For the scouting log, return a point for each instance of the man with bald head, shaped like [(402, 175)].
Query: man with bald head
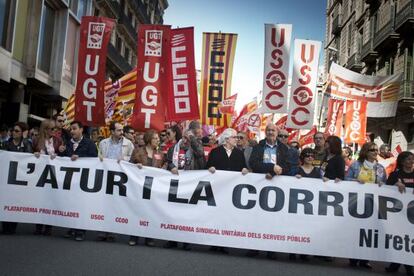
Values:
[(270, 156)]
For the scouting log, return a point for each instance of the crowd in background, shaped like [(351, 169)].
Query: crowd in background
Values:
[(176, 149)]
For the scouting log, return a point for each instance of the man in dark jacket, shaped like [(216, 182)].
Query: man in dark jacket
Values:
[(270, 156), (78, 147)]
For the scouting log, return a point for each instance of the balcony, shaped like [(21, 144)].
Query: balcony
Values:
[(354, 62), (125, 26), (405, 18), (386, 36), (119, 61), (337, 25), (368, 54), (141, 11), (111, 7), (406, 91)]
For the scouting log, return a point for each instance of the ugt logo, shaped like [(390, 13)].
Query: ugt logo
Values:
[(153, 43), (95, 35)]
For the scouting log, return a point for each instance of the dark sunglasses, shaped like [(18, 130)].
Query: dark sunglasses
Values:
[(373, 150), (240, 137), (60, 121), (309, 155), (283, 136)]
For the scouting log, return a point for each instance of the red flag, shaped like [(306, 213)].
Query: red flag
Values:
[(182, 99), (294, 136), (249, 107), (95, 33), (227, 106), (308, 137), (281, 123), (334, 117), (153, 76), (355, 122), (397, 150)]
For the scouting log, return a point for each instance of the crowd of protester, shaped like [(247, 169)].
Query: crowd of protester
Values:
[(176, 149)]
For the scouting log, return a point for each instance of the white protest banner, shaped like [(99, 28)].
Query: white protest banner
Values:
[(381, 93), (276, 68), (303, 92), (285, 214)]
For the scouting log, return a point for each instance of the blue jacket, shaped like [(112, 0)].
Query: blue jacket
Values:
[(355, 168)]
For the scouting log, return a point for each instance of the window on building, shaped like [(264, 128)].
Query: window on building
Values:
[(127, 51), (375, 23), (78, 7), (7, 15), (46, 38), (69, 62), (118, 45)]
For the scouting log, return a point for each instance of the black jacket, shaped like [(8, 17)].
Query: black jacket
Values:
[(218, 158), (23, 146), (282, 156), (86, 148)]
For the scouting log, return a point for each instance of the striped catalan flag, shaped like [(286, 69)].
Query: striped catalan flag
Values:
[(216, 75), (125, 101), (69, 110)]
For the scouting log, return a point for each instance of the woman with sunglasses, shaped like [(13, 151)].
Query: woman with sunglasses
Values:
[(307, 169), (402, 177), (16, 143), (174, 135), (46, 143), (366, 169)]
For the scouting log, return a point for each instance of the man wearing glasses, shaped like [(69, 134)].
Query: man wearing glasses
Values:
[(129, 133), (243, 145), (293, 152), (320, 153), (60, 131)]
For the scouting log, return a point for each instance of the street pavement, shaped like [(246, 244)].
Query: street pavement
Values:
[(27, 254)]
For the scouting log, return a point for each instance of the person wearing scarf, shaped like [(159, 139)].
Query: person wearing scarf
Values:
[(46, 143), (366, 169)]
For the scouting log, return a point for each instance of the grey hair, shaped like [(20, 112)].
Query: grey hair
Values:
[(227, 133), (194, 125)]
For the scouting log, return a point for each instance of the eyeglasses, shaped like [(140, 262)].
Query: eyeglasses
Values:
[(240, 137), (309, 155), (373, 150), (283, 136), (60, 121)]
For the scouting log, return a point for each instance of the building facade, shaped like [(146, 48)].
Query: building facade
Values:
[(375, 37), (39, 50)]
